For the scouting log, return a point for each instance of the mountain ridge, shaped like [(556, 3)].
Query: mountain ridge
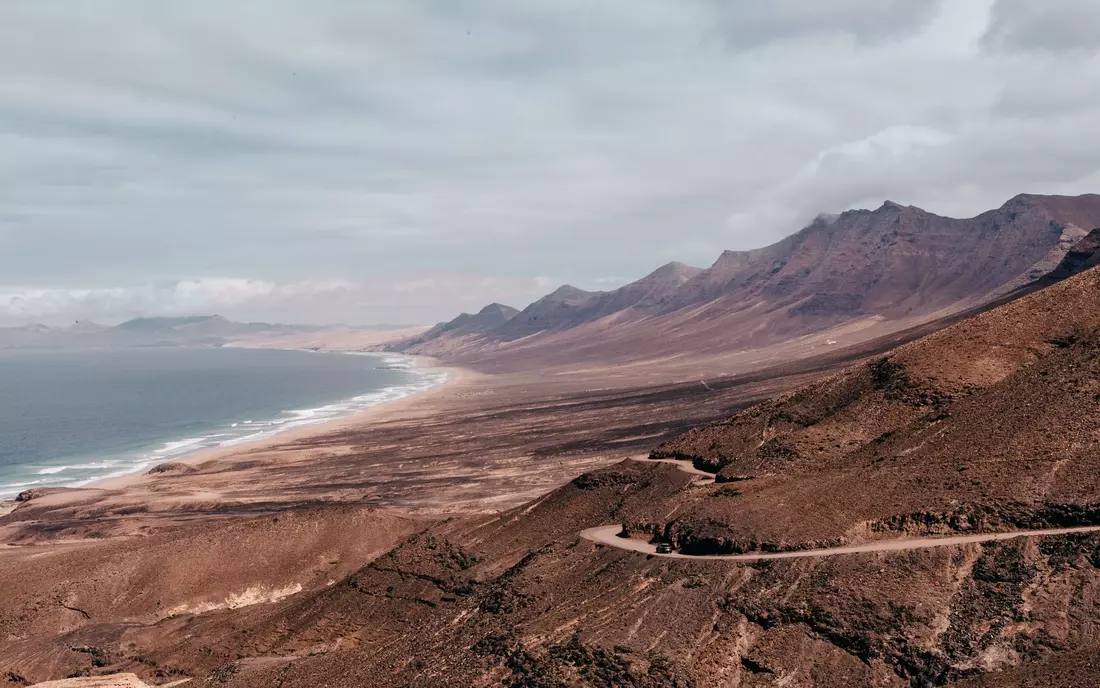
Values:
[(892, 266), (990, 425), (192, 330)]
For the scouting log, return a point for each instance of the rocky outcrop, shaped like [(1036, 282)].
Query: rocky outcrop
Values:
[(28, 495), (171, 467), (1084, 255)]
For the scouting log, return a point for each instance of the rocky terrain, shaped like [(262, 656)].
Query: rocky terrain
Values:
[(992, 421), (1085, 254), (852, 277), (991, 424)]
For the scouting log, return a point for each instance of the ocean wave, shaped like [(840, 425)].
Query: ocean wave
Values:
[(175, 447), (22, 484), (134, 468), (52, 470)]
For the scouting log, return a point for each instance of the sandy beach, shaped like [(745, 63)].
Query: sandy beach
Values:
[(388, 410)]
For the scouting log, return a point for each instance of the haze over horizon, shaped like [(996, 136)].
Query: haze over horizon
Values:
[(401, 163)]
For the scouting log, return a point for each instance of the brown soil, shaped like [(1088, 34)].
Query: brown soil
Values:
[(995, 420), (989, 425)]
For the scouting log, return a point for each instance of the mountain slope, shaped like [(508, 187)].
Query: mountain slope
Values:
[(989, 425), (486, 320), (897, 259), (569, 307), (866, 272), (992, 424), (992, 420), (1084, 255)]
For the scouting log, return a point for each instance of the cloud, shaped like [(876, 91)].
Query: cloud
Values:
[(420, 300), (375, 143), (868, 21), (1051, 25), (860, 172), (115, 303)]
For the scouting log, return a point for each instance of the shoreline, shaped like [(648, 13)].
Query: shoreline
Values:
[(279, 439), (352, 420)]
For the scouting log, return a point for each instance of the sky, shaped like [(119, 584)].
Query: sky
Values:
[(399, 162)]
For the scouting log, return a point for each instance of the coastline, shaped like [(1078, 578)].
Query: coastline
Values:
[(356, 419), (386, 410)]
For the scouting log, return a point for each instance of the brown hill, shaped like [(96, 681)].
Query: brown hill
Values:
[(993, 423), (990, 424), (569, 307), (465, 326), (858, 275), (993, 419), (565, 308)]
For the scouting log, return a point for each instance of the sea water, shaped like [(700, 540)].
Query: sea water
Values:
[(68, 418)]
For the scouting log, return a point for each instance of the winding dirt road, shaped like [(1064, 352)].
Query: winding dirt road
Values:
[(609, 535)]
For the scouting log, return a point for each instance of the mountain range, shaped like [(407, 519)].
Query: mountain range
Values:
[(926, 513), (859, 274), (858, 496), (200, 330), (991, 424)]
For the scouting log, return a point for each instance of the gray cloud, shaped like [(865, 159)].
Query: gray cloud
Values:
[(868, 21), (1051, 25), (473, 146), (412, 299)]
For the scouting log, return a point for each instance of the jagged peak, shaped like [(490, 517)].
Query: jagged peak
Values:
[(672, 266), (496, 307), (729, 258), (672, 269), (567, 291)]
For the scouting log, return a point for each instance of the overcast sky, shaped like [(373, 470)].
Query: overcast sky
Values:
[(401, 161)]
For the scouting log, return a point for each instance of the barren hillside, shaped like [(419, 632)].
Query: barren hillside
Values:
[(849, 278), (990, 425)]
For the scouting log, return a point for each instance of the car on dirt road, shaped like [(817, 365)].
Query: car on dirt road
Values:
[(664, 548)]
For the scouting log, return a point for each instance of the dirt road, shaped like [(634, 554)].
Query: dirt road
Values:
[(682, 465), (609, 535)]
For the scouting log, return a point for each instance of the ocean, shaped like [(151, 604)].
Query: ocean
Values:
[(71, 417)]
